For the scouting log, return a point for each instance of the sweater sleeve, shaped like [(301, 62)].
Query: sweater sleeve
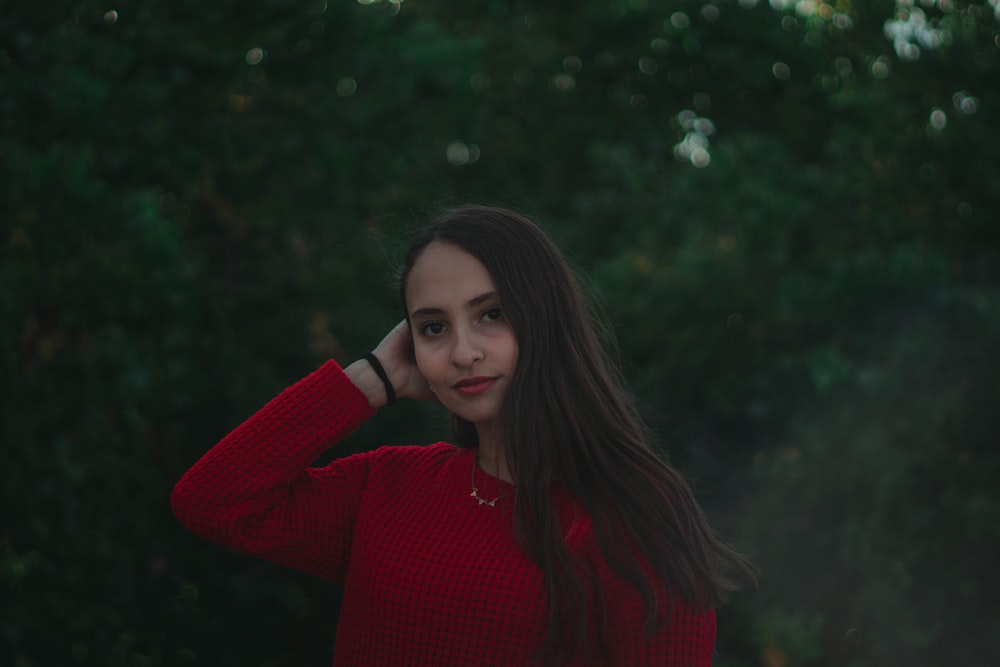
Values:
[(254, 491), (686, 639)]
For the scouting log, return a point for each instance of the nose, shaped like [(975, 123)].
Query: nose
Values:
[(467, 349)]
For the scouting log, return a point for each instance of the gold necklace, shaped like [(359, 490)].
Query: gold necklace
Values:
[(475, 491)]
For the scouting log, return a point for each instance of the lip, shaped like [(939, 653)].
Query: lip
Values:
[(474, 385)]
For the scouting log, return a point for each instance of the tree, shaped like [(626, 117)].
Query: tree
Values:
[(785, 209)]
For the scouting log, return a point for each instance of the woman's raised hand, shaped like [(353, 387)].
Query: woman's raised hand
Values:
[(395, 353)]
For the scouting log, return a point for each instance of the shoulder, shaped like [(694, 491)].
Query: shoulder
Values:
[(403, 454), (381, 474), (410, 460)]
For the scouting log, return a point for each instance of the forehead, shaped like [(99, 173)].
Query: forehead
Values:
[(446, 276)]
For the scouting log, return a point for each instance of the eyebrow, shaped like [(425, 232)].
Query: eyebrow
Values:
[(470, 304)]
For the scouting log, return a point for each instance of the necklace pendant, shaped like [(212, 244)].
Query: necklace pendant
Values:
[(483, 501), (475, 491)]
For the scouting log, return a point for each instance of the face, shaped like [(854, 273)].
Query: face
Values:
[(464, 346)]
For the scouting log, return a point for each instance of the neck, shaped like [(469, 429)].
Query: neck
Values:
[(492, 455)]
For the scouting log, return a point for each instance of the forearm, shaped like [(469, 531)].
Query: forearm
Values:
[(364, 377)]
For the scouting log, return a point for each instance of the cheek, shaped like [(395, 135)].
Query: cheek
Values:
[(425, 359)]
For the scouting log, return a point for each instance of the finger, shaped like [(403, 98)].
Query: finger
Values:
[(397, 333), (403, 328)]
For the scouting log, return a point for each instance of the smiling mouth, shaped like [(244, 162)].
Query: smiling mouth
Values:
[(473, 386)]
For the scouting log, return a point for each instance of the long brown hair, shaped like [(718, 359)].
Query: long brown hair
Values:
[(568, 417)]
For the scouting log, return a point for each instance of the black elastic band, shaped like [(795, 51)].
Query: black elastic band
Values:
[(376, 365)]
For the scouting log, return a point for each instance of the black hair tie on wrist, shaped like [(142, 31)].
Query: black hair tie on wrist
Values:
[(390, 393)]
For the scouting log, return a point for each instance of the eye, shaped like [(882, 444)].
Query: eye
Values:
[(431, 329), (493, 314)]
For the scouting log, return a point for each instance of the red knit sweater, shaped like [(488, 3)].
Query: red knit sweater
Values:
[(430, 576)]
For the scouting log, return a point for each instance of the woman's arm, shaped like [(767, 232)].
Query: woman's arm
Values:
[(254, 492), (686, 639)]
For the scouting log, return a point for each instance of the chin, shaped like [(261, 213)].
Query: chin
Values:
[(477, 419)]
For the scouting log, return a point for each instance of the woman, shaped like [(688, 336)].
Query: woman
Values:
[(549, 533)]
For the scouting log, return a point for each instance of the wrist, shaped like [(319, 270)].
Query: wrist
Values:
[(390, 391), (368, 382)]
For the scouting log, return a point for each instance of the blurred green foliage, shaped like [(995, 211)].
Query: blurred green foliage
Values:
[(787, 209)]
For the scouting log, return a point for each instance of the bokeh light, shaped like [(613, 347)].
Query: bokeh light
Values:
[(564, 83), (679, 20), (938, 120), (572, 64), (710, 12), (461, 154), (965, 102), (255, 56), (347, 86), (694, 146), (881, 67)]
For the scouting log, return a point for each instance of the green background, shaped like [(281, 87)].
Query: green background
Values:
[(787, 210)]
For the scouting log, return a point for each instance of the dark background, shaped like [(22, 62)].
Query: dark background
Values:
[(787, 210)]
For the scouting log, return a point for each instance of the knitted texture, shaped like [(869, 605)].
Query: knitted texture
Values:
[(431, 577)]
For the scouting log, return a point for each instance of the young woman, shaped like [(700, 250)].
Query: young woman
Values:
[(548, 533)]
